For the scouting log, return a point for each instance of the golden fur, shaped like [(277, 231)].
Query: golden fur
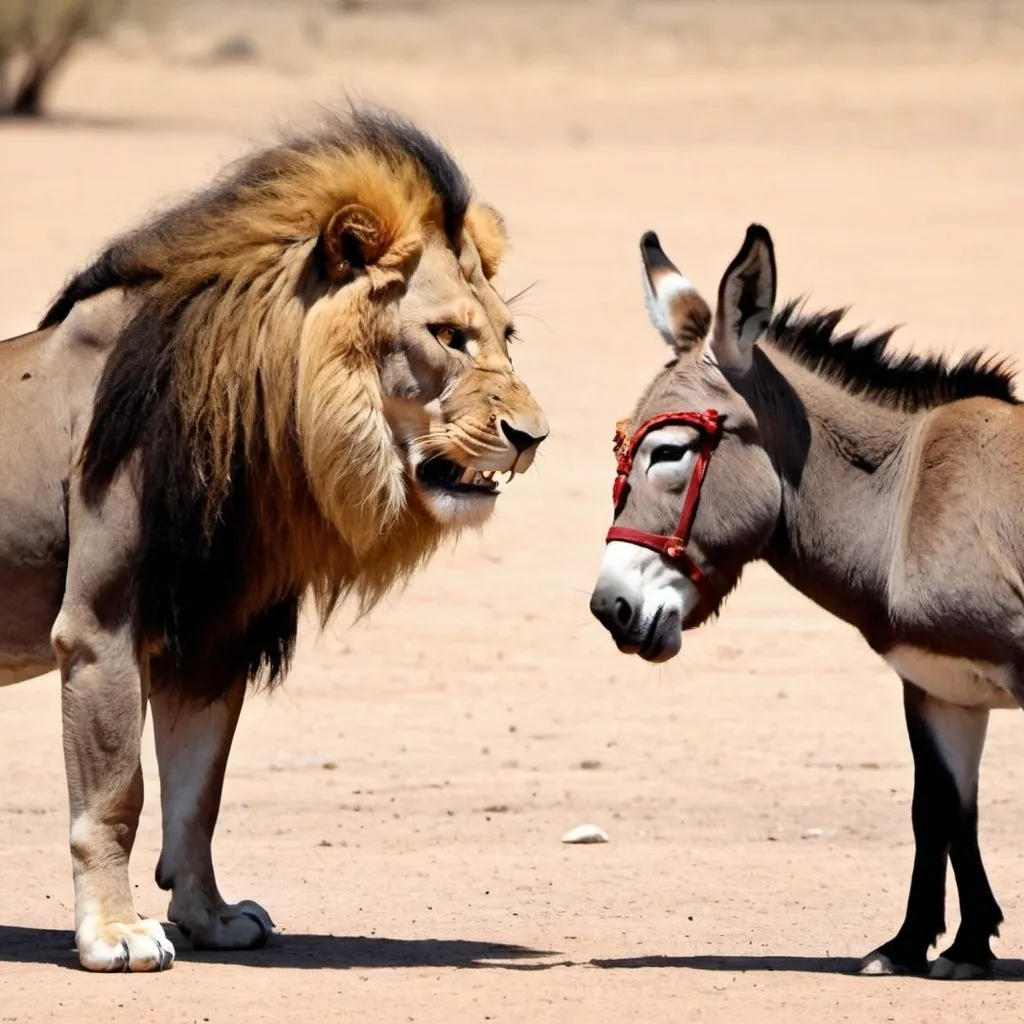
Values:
[(232, 406), (275, 294), (248, 378)]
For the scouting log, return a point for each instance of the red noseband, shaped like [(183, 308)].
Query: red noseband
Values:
[(673, 546)]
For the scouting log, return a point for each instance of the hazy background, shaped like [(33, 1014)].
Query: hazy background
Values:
[(398, 807)]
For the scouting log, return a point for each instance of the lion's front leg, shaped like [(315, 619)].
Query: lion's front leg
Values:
[(103, 701), (193, 741)]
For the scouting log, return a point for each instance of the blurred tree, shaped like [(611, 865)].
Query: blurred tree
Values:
[(38, 36)]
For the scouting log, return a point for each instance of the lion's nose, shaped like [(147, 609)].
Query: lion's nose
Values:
[(520, 439)]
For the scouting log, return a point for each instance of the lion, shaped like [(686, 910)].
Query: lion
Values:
[(295, 384)]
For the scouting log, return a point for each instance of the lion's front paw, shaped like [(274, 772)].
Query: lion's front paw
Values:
[(115, 946), (244, 925)]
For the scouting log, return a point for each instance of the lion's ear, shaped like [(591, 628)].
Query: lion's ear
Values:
[(487, 229), (354, 238)]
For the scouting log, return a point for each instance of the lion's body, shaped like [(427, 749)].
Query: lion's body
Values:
[(47, 383), (223, 414)]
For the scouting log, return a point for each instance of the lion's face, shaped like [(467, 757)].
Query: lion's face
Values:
[(408, 405), (452, 349)]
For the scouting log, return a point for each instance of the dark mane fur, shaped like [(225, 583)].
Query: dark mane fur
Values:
[(862, 363), (193, 567)]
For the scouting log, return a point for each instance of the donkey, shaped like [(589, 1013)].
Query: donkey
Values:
[(886, 488)]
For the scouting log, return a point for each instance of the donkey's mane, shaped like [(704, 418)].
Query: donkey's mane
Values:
[(863, 363)]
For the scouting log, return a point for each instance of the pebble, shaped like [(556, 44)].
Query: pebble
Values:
[(585, 834), (813, 833)]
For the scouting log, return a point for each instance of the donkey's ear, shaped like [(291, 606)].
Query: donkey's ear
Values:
[(745, 300), (674, 306)]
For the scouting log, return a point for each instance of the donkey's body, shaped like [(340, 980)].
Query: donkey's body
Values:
[(908, 526), (891, 493)]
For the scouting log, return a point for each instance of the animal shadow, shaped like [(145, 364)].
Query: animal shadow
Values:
[(56, 946), (1002, 970), (345, 952)]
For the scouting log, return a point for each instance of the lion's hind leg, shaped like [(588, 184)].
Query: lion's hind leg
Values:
[(193, 741)]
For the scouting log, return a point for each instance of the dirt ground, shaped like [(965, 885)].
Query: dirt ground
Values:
[(398, 807)]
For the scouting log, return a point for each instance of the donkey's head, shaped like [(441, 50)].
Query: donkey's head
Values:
[(696, 496)]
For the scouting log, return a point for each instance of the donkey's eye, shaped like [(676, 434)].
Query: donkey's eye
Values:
[(667, 453), (449, 336)]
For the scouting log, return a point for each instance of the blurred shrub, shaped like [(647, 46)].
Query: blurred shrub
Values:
[(38, 36)]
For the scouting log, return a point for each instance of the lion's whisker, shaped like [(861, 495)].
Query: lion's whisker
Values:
[(512, 300)]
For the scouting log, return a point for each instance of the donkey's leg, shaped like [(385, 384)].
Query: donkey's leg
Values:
[(970, 955), (193, 741), (944, 747), (103, 700)]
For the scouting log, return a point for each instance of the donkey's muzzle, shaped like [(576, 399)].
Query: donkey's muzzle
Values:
[(616, 613)]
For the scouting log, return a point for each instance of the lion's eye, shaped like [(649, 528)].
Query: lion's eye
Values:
[(667, 453), (449, 336)]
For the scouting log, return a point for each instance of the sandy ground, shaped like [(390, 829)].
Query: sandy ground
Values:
[(398, 807)]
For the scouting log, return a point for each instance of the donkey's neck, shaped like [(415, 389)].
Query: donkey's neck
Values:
[(842, 462)]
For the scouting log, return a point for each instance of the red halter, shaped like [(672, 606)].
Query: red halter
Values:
[(673, 547)]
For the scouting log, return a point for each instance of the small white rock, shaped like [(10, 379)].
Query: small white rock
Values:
[(813, 833), (585, 834)]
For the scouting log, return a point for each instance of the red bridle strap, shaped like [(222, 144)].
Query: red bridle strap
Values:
[(672, 546)]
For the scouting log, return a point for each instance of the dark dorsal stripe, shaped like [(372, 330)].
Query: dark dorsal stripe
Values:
[(863, 363)]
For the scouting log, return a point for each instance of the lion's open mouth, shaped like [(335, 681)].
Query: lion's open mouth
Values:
[(445, 475)]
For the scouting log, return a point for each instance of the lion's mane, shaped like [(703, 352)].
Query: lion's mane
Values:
[(251, 410)]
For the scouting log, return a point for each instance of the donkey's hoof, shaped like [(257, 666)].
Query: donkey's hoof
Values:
[(951, 970), (879, 964), (888, 964)]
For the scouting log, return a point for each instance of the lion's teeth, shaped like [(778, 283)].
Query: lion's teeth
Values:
[(488, 474), (468, 476)]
